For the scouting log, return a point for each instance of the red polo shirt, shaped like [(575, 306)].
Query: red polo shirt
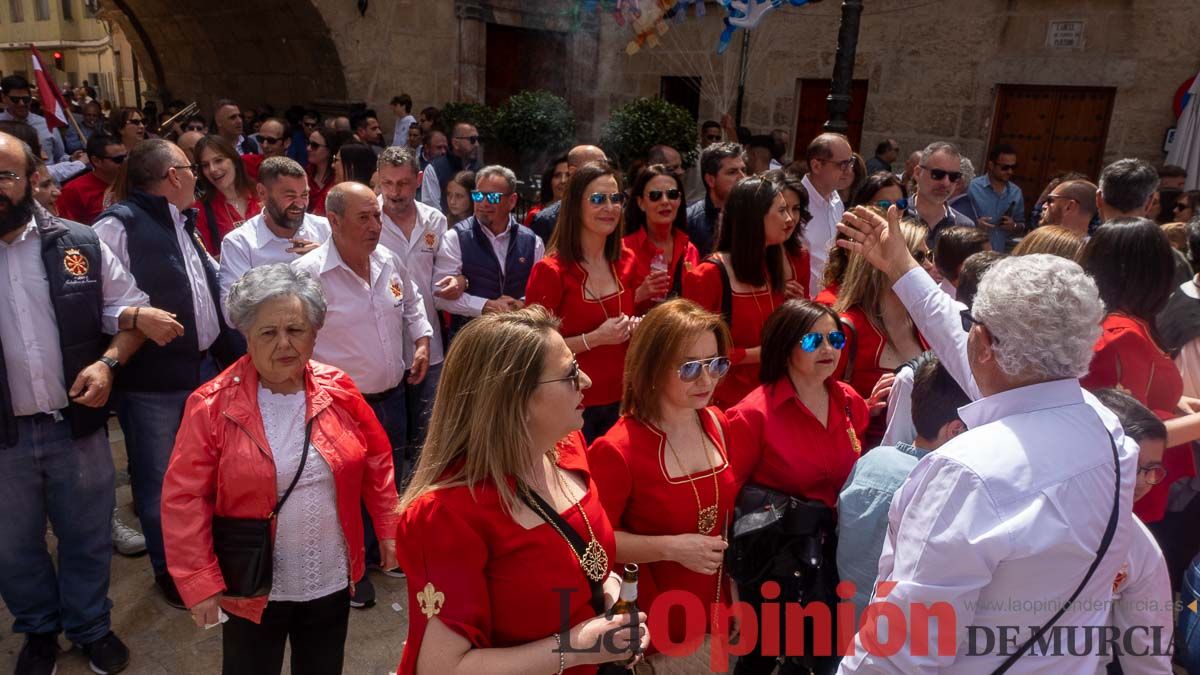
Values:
[(82, 199)]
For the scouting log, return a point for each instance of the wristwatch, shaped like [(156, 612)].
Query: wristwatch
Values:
[(109, 361)]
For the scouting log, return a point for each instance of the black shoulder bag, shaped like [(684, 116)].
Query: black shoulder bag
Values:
[(245, 547), (1109, 531)]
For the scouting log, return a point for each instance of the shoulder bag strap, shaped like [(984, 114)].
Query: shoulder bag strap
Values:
[(1104, 543), (546, 512), (213, 231), (296, 479), (726, 289)]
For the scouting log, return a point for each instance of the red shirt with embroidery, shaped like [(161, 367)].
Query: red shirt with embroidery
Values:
[(317, 193), (559, 287), (629, 465), (82, 199), (684, 255), (779, 444), (1126, 357), (488, 578), (226, 216)]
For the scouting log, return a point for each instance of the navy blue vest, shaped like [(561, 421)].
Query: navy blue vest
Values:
[(445, 168), (156, 262), (482, 269), (71, 256)]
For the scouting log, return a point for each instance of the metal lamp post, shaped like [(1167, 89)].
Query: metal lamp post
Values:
[(843, 67)]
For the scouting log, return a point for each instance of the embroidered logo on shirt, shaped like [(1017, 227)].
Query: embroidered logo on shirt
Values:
[(75, 263), (431, 601), (1122, 576), (396, 289), (521, 260), (430, 239)]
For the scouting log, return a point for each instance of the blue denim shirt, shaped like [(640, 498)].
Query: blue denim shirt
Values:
[(990, 205), (863, 514)]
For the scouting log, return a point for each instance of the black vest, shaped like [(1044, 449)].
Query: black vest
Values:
[(482, 269), (156, 262), (71, 256), (445, 168)]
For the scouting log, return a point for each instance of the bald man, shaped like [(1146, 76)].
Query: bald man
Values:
[(543, 222), (187, 142)]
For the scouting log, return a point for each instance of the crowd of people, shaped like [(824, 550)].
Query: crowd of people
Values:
[(330, 353)]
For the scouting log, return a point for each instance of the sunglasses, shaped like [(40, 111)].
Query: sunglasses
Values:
[(717, 366), (967, 320), (941, 174), (472, 139), (20, 99), (573, 376), (1006, 167), (922, 257), (269, 139), (883, 204), (491, 197), (139, 122), (656, 195), (812, 341), (1155, 473), (117, 160), (599, 198)]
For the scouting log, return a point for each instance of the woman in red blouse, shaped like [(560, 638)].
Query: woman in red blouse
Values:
[(796, 196), (663, 470), (1132, 263), (502, 534), (322, 144), (880, 335), (799, 433), (878, 191), (229, 198), (656, 227), (588, 279), (746, 278)]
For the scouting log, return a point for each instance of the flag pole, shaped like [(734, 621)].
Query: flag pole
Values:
[(56, 93), (82, 139)]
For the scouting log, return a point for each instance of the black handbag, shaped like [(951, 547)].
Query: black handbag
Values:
[(776, 535), (245, 547)]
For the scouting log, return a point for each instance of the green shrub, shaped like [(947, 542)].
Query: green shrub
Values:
[(634, 128)]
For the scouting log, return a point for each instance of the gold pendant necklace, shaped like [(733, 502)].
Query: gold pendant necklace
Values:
[(594, 561), (706, 516)]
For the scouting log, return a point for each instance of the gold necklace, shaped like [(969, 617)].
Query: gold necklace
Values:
[(594, 561), (589, 295), (706, 516)]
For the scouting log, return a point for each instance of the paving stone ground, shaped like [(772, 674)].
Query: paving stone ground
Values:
[(164, 641)]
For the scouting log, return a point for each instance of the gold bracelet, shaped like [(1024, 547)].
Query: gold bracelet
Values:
[(586, 346), (562, 656)]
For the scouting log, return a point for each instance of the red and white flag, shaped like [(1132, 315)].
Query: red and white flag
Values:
[(54, 106)]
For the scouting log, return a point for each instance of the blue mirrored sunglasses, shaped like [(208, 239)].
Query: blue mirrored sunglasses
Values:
[(599, 198), (883, 204), (491, 197), (812, 341), (716, 367)]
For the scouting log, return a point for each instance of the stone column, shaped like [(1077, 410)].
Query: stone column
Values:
[(472, 16)]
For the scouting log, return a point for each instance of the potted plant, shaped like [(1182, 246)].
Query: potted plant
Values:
[(635, 127), (535, 125)]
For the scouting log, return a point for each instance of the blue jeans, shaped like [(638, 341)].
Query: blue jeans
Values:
[(1187, 632), (71, 482), (393, 416), (420, 407), (150, 420)]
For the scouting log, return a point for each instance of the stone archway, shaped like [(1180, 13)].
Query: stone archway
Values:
[(253, 51)]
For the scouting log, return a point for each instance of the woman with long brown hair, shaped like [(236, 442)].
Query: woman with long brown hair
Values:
[(323, 144), (588, 279), (503, 536), (656, 227), (227, 197), (129, 125), (663, 470)]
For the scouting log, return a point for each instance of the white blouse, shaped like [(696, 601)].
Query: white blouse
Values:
[(310, 550)]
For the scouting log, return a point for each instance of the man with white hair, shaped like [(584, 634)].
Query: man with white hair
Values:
[(1029, 510)]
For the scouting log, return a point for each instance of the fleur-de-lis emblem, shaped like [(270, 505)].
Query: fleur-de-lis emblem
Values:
[(431, 601)]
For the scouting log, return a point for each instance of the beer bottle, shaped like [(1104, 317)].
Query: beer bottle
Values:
[(627, 601)]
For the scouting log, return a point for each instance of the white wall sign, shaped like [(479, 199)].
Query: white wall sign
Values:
[(1065, 35)]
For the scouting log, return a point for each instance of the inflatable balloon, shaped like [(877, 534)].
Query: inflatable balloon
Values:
[(746, 15), (649, 24)]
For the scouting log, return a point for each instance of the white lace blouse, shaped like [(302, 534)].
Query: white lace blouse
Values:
[(310, 549)]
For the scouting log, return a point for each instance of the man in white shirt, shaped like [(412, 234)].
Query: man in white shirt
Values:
[(491, 250), (281, 233), (402, 107), (376, 317), (153, 234), (413, 231), (1031, 486), (17, 100), (829, 159)]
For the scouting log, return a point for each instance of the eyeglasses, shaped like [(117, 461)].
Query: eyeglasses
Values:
[(1006, 167), (941, 174), (140, 122), (20, 99), (117, 159), (812, 341), (471, 139), (314, 146), (599, 198), (843, 165), (967, 320), (195, 168), (1155, 473), (923, 257), (656, 195), (269, 139), (573, 376), (717, 366), (8, 179), (883, 204), (491, 197)]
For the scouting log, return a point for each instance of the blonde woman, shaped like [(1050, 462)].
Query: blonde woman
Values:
[(880, 335), (663, 469), (503, 537), (1053, 239)]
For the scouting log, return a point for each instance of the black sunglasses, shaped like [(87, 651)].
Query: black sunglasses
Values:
[(968, 320), (1006, 167), (269, 139), (20, 99), (941, 174), (573, 376), (922, 257), (117, 159), (656, 195)]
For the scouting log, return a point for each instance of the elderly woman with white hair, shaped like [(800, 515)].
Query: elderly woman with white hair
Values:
[(260, 503), (1040, 486)]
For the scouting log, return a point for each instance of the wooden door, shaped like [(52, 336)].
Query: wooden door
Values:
[(523, 58), (814, 112), (683, 92), (1053, 129)]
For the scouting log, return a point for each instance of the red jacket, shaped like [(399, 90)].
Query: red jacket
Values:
[(222, 465)]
